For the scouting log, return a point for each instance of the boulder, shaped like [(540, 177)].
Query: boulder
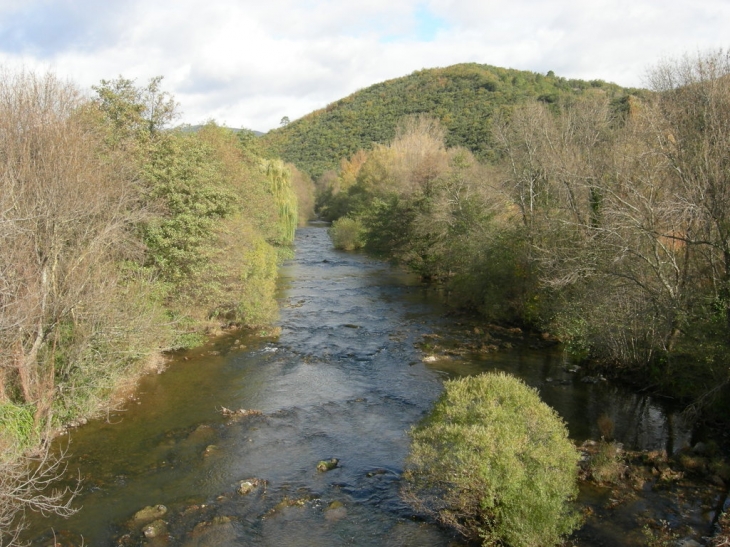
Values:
[(247, 486), (149, 513), (327, 465)]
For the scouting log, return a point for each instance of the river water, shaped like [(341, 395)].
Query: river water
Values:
[(344, 379)]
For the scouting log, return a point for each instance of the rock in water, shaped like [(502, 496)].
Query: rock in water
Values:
[(151, 512), (247, 486), (327, 465), (155, 529)]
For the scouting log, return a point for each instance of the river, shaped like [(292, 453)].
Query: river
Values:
[(345, 378)]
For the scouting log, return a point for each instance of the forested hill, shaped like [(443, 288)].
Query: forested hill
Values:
[(463, 97)]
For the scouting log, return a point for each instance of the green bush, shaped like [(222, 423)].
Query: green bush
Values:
[(495, 463), (347, 234)]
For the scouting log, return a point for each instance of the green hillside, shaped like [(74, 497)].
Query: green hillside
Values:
[(463, 97)]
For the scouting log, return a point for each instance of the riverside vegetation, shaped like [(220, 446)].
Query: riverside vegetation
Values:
[(600, 217), (119, 239), (594, 213)]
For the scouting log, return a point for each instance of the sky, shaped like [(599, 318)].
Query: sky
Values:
[(249, 63)]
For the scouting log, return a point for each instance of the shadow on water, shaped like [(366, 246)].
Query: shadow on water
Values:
[(345, 380)]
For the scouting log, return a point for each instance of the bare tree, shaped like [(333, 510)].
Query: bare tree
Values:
[(65, 211), (68, 207), (29, 484), (692, 133)]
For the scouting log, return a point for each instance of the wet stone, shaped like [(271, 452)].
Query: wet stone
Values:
[(155, 529), (151, 512), (327, 465), (249, 485)]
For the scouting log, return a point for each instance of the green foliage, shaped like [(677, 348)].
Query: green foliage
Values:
[(18, 429), (462, 97), (134, 115), (182, 176), (347, 234), (387, 221), (223, 213), (286, 200), (257, 304), (249, 141), (495, 277), (493, 461)]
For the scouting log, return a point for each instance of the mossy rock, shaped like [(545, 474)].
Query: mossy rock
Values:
[(327, 465), (150, 513)]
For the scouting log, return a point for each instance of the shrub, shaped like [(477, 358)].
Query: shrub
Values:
[(494, 462), (607, 464), (347, 234)]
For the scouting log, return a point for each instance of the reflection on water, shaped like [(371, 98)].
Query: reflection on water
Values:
[(344, 380), (640, 421)]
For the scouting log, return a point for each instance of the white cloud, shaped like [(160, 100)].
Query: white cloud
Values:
[(250, 62)]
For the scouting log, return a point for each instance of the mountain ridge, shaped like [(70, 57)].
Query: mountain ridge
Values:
[(463, 97)]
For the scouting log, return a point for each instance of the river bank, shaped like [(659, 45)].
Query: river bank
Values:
[(346, 377)]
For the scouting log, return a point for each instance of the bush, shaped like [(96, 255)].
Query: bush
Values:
[(347, 234), (495, 463), (607, 464)]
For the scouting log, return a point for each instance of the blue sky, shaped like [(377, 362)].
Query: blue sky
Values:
[(249, 63), (428, 24)]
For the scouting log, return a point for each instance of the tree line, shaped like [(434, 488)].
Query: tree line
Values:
[(603, 221), (120, 238)]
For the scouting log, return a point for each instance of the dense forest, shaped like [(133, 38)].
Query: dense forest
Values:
[(601, 218), (463, 98), (120, 238)]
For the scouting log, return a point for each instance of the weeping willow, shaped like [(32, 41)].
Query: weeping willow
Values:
[(286, 200)]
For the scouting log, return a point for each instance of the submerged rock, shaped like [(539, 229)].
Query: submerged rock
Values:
[(335, 511), (155, 529), (241, 412), (217, 533)]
